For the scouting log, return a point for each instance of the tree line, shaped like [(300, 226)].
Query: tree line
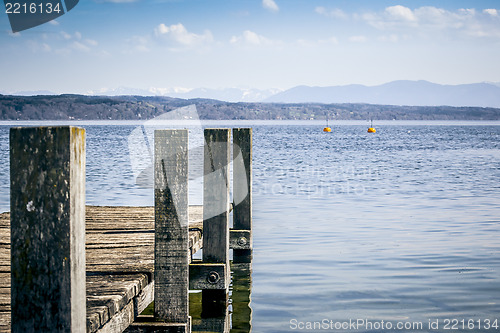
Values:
[(81, 107)]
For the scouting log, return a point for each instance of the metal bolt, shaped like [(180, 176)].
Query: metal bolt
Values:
[(213, 277), (242, 241)]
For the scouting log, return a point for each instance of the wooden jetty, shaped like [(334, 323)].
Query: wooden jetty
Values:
[(126, 257)]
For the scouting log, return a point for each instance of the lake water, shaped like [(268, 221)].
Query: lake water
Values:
[(395, 229)]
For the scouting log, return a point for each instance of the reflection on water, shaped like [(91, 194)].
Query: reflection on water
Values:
[(241, 292), (237, 318)]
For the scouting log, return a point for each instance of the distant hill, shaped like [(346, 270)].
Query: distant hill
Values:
[(64, 107), (415, 93)]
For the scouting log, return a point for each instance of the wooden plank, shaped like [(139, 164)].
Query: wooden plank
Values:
[(156, 327), (120, 321), (5, 302), (144, 299), (96, 317), (5, 244), (242, 178), (171, 226), (112, 247), (122, 238), (47, 208), (216, 215), (240, 239), (110, 244), (242, 192), (216, 196), (109, 295), (203, 276)]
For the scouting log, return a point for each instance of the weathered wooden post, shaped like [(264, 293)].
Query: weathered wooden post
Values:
[(171, 229), (216, 217), (241, 234), (47, 182)]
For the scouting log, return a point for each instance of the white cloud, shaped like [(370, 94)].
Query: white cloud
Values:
[(427, 21), (491, 11), (78, 46), (37, 47), (162, 29), (334, 13), (401, 13), (270, 5), (76, 35), (91, 42), (433, 16), (394, 16), (65, 35), (430, 21), (63, 43), (251, 38), (179, 35)]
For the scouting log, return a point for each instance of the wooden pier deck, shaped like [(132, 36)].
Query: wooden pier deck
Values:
[(94, 269), (119, 264)]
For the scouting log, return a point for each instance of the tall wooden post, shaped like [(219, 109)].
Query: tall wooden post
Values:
[(241, 235), (242, 195), (171, 228), (47, 181), (216, 214)]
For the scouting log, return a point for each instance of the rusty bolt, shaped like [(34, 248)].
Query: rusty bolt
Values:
[(213, 277), (242, 241)]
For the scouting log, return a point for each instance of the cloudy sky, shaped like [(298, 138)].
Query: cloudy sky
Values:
[(167, 44)]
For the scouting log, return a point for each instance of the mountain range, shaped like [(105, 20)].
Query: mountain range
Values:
[(415, 93), (221, 94), (410, 93)]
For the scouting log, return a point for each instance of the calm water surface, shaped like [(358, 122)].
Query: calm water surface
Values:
[(401, 226)]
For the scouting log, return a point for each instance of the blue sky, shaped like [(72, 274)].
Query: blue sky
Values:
[(180, 44)]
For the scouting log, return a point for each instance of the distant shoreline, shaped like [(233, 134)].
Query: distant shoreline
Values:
[(141, 108)]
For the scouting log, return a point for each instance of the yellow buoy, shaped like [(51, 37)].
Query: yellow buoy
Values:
[(327, 129), (371, 129)]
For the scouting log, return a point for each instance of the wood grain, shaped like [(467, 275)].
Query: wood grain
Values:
[(171, 226), (120, 255), (47, 195)]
